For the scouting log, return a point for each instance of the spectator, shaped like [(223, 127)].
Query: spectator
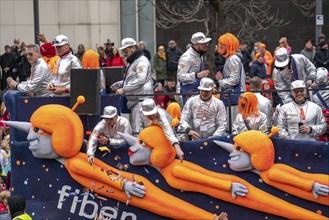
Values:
[(322, 56), (255, 50), (300, 119), (152, 115), (203, 116), (173, 53), (191, 64), (289, 68), (7, 64), (268, 59), (60, 85), (23, 66), (106, 131), (142, 47), (16, 208), (116, 59), (283, 43), (108, 48), (160, 100), (103, 59), (16, 48), (321, 97), (264, 104), (249, 117), (40, 77), (160, 65), (321, 38), (309, 50), (138, 79), (246, 57), (81, 51), (219, 62), (4, 194), (258, 67), (48, 52), (170, 87)]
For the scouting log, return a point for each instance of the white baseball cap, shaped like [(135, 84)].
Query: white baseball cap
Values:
[(281, 57), (109, 112), (149, 107), (321, 75), (206, 84), (127, 42), (60, 40), (298, 84), (199, 38)]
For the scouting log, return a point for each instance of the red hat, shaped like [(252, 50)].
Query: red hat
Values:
[(48, 50)]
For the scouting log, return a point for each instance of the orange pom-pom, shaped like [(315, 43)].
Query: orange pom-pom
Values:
[(275, 130), (174, 122), (81, 99)]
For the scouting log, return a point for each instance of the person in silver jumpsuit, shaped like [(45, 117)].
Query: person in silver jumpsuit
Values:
[(191, 65), (60, 84), (289, 68), (321, 97), (137, 81), (106, 131), (300, 119), (36, 84), (153, 115), (203, 116)]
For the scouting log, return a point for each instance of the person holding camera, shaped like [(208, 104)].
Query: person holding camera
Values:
[(300, 119)]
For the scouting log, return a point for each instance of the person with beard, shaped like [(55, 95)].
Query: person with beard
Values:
[(300, 119), (191, 65), (289, 68), (16, 208), (203, 116), (321, 58), (173, 53), (137, 80)]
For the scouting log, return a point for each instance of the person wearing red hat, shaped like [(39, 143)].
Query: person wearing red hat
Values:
[(48, 52)]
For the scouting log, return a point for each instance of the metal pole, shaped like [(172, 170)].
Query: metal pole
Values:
[(318, 11), (36, 20)]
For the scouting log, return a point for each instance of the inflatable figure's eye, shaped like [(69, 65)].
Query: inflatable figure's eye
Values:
[(142, 143), (238, 148), (38, 130)]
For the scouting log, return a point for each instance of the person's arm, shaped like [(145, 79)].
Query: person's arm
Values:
[(124, 128), (310, 69), (263, 123), (221, 120), (234, 66), (282, 123), (35, 82), (320, 124), (186, 116), (93, 139), (184, 74)]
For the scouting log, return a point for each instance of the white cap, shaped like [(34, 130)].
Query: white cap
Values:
[(298, 84), (60, 40), (199, 38), (281, 57), (321, 75), (109, 112), (206, 84), (127, 42), (149, 107)]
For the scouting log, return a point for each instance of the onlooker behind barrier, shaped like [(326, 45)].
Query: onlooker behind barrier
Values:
[(321, 97), (268, 58), (173, 53), (258, 67), (116, 59), (37, 84), (80, 52), (160, 65), (309, 50), (7, 64), (289, 68), (322, 55), (142, 47), (300, 119)]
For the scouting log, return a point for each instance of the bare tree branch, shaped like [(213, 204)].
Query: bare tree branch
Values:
[(307, 8)]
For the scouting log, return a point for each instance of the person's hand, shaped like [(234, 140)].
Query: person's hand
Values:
[(222, 216), (58, 90), (135, 189), (203, 74), (42, 38), (12, 84), (308, 82), (304, 129), (103, 140), (179, 152), (320, 189), (238, 189), (50, 86), (6, 69), (194, 134), (120, 91), (91, 159)]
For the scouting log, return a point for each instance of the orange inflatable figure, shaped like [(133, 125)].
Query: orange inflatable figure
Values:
[(56, 132), (174, 110), (254, 151), (158, 152)]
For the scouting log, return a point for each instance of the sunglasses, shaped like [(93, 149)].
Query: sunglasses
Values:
[(29, 54)]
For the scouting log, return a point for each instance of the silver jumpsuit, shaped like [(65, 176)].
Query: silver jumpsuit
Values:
[(283, 78), (207, 118), (255, 122), (325, 96), (290, 115), (38, 81), (122, 125)]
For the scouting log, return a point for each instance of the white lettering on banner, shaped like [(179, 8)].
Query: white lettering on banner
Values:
[(107, 211)]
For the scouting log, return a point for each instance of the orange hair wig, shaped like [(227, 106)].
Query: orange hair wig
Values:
[(248, 104), (163, 153), (231, 42), (63, 124), (174, 110), (90, 59), (259, 146), (52, 61)]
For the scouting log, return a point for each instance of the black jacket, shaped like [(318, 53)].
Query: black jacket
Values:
[(321, 58), (258, 69), (173, 56)]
